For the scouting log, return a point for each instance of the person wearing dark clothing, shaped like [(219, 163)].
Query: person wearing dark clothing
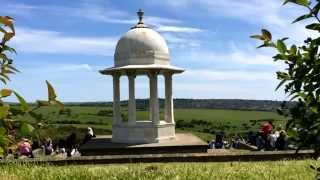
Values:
[(88, 136), (48, 147), (219, 141), (36, 144), (70, 144), (252, 138), (236, 142), (282, 141)]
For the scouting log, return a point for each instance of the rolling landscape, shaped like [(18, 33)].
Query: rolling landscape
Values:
[(203, 118), (188, 89)]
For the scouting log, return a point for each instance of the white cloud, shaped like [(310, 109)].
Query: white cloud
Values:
[(207, 75), (255, 11), (75, 67), (99, 11), (16, 9), (44, 41), (181, 40), (232, 55), (178, 29), (249, 90)]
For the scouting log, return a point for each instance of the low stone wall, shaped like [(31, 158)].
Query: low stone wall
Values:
[(181, 157), (145, 150)]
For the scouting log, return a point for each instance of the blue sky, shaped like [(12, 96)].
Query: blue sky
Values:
[(67, 42)]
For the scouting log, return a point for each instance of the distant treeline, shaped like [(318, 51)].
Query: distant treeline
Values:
[(236, 104)]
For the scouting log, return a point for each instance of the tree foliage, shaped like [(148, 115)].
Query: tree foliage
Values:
[(22, 120), (300, 79)]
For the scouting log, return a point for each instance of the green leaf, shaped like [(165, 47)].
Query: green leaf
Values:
[(3, 56), (16, 111), (293, 49), (299, 2), (280, 84), (26, 129), (314, 109), (6, 77), (259, 37), (1, 151), (266, 34), (2, 30), (314, 26), (5, 92), (294, 97), (316, 8), (292, 133), (306, 16), (4, 111), (281, 46), (23, 104), (10, 49), (266, 44), (13, 68), (3, 80), (3, 131), (51, 93), (8, 36)]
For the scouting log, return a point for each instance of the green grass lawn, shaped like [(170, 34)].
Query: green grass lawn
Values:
[(235, 170), (202, 122)]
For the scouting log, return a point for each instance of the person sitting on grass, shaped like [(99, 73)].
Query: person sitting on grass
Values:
[(266, 129), (71, 144), (61, 147), (48, 147), (264, 132), (211, 144), (252, 138), (219, 141), (24, 148), (271, 140), (236, 142), (88, 136), (282, 141), (260, 143)]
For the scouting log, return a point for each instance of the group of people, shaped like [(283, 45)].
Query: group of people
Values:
[(68, 146), (269, 138), (220, 143)]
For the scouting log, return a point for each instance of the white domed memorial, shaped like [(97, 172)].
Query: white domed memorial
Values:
[(142, 52)]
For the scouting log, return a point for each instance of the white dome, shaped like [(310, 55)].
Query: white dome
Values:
[(140, 51), (141, 46)]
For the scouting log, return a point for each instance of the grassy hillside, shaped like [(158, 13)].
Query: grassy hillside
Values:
[(203, 122), (235, 170)]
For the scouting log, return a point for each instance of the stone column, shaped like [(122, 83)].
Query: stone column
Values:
[(154, 102), (116, 99), (168, 108), (132, 99)]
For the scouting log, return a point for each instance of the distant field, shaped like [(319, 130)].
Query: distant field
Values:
[(203, 122), (229, 170)]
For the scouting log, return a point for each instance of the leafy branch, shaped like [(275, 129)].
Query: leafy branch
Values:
[(13, 118), (300, 79)]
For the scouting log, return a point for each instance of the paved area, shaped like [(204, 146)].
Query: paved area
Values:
[(183, 143), (182, 139)]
